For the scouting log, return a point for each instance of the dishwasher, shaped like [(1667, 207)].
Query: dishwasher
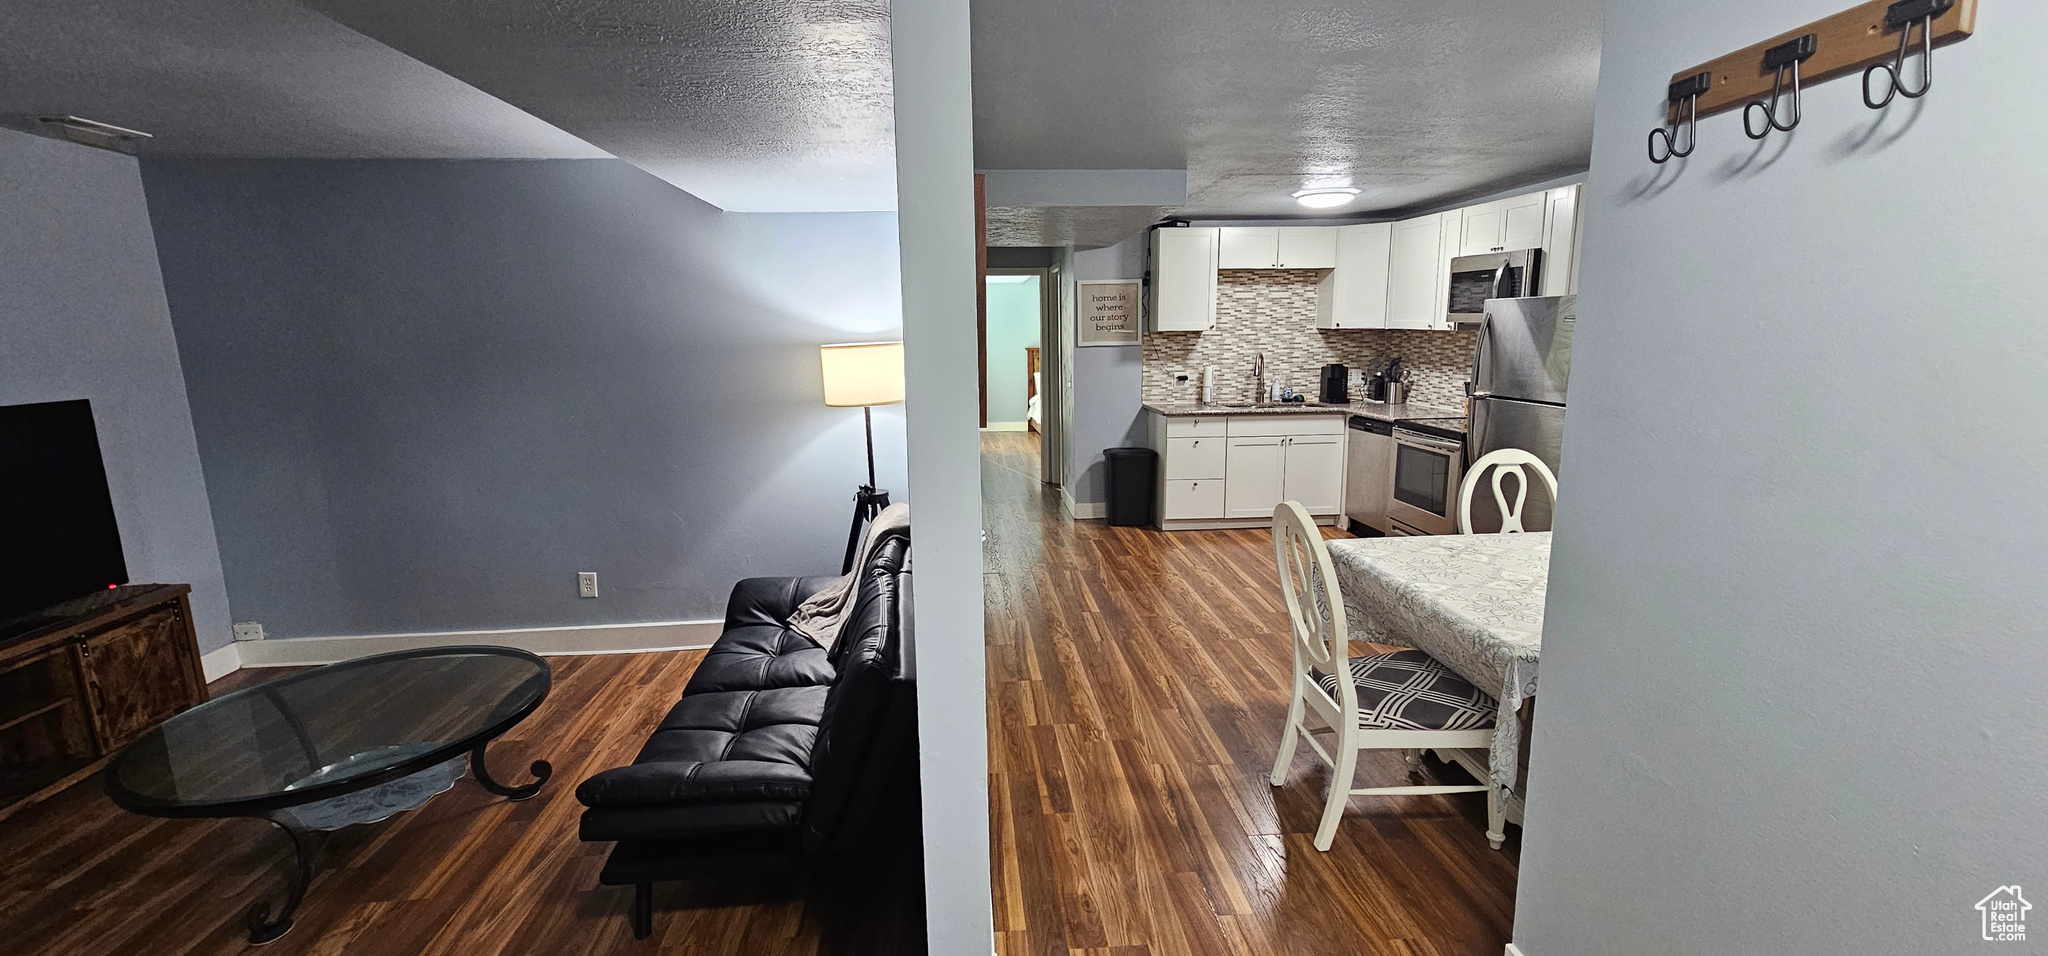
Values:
[(1369, 473)]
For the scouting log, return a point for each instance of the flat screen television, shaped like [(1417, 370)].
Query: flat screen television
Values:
[(58, 538)]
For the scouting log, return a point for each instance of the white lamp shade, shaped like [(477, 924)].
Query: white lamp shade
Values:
[(863, 373)]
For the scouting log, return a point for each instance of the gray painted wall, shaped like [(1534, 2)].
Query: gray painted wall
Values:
[(429, 393), (1107, 379), (83, 316), (1793, 664)]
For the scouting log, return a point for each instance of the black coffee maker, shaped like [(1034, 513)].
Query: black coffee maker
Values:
[(1336, 385)]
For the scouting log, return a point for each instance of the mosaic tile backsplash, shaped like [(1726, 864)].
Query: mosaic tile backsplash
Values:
[(1274, 311)]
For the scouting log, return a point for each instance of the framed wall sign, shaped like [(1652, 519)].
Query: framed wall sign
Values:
[(1106, 311)]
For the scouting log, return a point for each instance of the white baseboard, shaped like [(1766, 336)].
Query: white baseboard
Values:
[(579, 639), (1514, 950), (1084, 510), (221, 661), (1007, 427)]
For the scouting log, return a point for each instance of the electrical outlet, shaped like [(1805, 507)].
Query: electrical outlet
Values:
[(586, 584), (249, 631)]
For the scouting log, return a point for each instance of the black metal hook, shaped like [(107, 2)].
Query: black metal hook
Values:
[(1785, 56), (1901, 16), (1687, 91)]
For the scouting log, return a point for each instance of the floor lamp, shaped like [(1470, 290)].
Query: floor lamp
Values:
[(863, 374)]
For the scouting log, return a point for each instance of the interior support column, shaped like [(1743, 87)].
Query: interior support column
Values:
[(930, 44)]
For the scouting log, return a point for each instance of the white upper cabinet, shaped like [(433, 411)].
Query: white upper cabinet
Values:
[(1277, 247), (1522, 222), (1481, 228), (1306, 247), (1184, 279), (1505, 225), (1418, 270), (1248, 247), (1353, 295), (1561, 241)]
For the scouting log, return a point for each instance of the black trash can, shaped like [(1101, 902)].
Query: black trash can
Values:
[(1132, 473)]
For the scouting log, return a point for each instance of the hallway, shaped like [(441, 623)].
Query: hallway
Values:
[(1136, 689)]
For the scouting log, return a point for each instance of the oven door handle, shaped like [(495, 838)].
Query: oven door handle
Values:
[(1429, 442)]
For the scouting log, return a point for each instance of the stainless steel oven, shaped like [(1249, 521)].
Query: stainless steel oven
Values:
[(1427, 471), (1493, 275)]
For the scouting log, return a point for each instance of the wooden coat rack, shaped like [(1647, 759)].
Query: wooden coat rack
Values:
[(1847, 42)]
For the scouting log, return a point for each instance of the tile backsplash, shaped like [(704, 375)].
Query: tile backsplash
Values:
[(1274, 311)]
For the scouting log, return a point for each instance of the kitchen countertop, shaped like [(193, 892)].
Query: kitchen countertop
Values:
[(1378, 411)]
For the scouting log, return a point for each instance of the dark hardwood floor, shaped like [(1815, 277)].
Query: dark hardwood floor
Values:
[(1137, 683), (466, 874)]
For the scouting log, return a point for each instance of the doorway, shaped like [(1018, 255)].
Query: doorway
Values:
[(1021, 355)]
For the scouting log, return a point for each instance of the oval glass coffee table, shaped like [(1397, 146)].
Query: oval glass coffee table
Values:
[(322, 749)]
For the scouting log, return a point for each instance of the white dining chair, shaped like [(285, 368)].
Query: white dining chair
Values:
[(1502, 463), (1403, 700)]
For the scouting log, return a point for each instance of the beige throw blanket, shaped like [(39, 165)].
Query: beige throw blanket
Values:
[(823, 616)]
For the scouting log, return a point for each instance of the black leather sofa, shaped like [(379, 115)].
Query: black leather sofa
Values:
[(778, 751)]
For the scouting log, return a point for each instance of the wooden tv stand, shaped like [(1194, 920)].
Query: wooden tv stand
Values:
[(85, 678)]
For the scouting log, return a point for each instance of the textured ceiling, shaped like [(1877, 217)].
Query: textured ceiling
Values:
[(254, 78), (1412, 101), (759, 106), (1084, 227)]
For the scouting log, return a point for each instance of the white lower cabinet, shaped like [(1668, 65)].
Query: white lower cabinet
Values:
[(1231, 471), (1194, 458), (1254, 479), (1265, 471), (1192, 499), (1312, 472)]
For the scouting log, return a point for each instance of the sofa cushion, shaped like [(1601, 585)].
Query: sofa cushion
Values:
[(768, 602), (719, 747), (760, 657)]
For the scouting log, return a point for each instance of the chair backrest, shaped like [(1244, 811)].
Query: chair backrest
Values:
[(1315, 606), (1501, 463)]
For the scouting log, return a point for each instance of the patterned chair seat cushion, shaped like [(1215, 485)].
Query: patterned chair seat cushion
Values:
[(1410, 690)]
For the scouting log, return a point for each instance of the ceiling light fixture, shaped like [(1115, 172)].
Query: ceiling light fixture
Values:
[(1327, 197)]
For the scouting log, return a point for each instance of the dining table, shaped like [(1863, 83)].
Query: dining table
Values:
[(1472, 601)]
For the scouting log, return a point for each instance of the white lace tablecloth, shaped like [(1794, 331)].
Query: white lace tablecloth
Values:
[(1472, 601)]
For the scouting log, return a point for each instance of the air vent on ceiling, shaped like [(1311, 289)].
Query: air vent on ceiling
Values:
[(85, 132)]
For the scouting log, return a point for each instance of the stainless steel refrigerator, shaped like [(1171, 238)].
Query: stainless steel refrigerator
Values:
[(1520, 368)]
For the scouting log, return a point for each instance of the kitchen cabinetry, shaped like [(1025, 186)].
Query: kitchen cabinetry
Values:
[(1505, 225), (1418, 270), (1277, 247), (1252, 486), (1377, 275), (1183, 279), (1312, 472), (1353, 295), (1230, 471), (1561, 241)]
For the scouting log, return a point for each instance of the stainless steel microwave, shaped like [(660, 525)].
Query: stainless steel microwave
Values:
[(1494, 275)]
